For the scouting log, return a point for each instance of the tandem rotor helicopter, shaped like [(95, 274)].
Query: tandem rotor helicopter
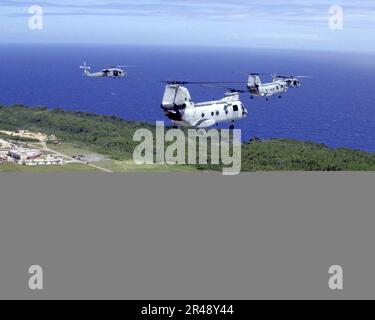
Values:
[(279, 85), (111, 72), (182, 111)]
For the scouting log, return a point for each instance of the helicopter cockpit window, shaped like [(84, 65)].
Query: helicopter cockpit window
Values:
[(235, 108)]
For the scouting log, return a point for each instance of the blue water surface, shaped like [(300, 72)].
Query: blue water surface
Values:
[(336, 107)]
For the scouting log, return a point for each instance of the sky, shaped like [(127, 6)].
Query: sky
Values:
[(289, 24)]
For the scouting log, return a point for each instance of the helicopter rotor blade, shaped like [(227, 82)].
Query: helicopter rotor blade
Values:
[(291, 76), (305, 77), (252, 74), (223, 87), (257, 74), (177, 82), (212, 86), (121, 66), (209, 84)]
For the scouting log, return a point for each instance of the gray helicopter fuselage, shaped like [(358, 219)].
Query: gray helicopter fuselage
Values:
[(273, 88), (180, 109), (110, 73), (276, 87)]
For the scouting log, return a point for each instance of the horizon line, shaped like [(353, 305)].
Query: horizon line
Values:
[(195, 46)]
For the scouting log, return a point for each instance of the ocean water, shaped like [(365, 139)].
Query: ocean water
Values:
[(336, 107)]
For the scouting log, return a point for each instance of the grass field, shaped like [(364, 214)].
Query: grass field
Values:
[(118, 166), (71, 149), (115, 166), (130, 166), (73, 167)]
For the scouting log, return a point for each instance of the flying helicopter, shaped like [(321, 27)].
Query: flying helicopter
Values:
[(111, 72), (279, 85), (182, 111)]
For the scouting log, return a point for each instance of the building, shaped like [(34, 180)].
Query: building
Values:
[(3, 159), (47, 161), (24, 154), (30, 157), (53, 139)]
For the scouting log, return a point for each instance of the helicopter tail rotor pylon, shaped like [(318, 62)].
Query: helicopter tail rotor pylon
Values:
[(175, 95)]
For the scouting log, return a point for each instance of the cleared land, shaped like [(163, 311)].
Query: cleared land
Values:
[(116, 165), (72, 167)]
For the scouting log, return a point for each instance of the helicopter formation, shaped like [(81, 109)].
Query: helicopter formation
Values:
[(182, 111), (179, 107)]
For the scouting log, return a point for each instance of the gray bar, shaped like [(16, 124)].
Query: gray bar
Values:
[(187, 236)]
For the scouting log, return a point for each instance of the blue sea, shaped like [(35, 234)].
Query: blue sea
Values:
[(336, 107)]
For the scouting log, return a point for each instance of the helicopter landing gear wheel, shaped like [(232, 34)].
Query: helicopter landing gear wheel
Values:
[(231, 127)]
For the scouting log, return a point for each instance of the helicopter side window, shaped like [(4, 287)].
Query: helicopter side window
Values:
[(235, 108), (212, 113), (217, 113), (202, 115)]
